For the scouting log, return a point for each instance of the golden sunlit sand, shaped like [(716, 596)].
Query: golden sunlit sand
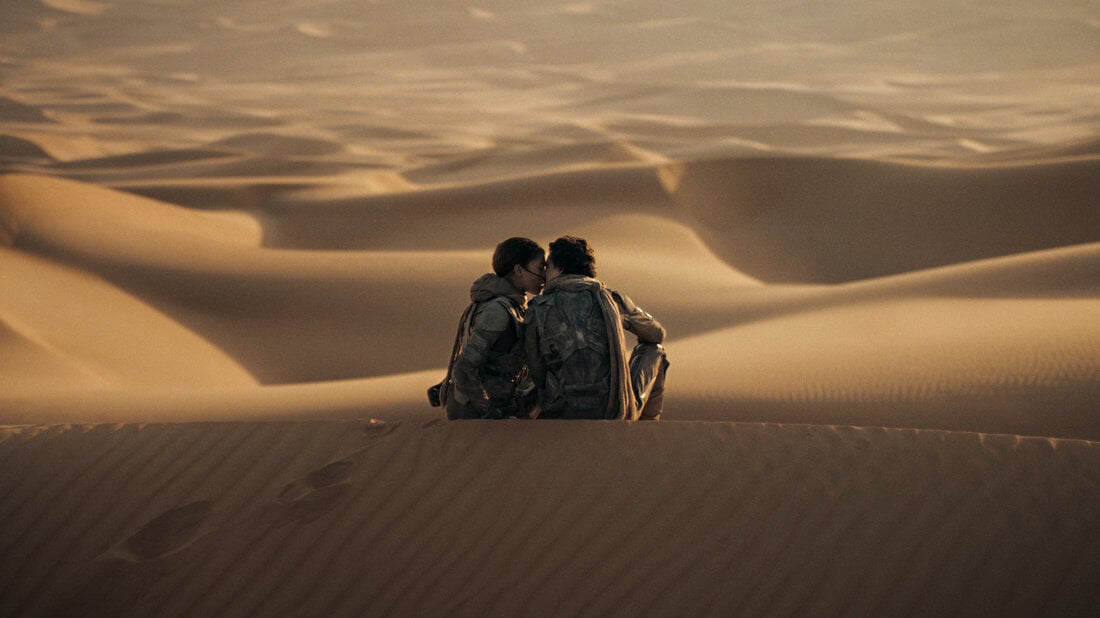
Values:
[(235, 243)]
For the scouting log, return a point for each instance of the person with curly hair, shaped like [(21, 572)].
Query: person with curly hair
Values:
[(576, 347)]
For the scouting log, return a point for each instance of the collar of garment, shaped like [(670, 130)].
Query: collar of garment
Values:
[(571, 283), (489, 286)]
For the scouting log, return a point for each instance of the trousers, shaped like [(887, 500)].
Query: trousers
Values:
[(648, 367)]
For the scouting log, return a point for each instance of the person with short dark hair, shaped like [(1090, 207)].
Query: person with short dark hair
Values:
[(576, 348), (487, 371)]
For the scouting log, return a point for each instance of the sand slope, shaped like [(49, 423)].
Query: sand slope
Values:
[(332, 293), (536, 518), (831, 221)]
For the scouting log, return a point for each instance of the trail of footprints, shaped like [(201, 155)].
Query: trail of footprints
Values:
[(302, 500)]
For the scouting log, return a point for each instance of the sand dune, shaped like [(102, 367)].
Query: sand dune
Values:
[(14, 111), (106, 337), (79, 7), (129, 164), (928, 362), (352, 518), (20, 149), (984, 344), (838, 220), (230, 237), (280, 145)]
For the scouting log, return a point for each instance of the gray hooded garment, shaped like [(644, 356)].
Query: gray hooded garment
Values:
[(491, 357)]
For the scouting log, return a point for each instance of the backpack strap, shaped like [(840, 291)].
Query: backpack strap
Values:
[(465, 324), (513, 311)]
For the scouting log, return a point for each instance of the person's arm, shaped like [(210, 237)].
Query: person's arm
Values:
[(489, 323), (637, 321)]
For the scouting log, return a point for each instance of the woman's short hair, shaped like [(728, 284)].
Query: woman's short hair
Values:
[(515, 251), (573, 256)]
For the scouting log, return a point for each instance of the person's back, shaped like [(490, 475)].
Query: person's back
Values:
[(491, 359), (572, 349), (486, 376), (576, 350)]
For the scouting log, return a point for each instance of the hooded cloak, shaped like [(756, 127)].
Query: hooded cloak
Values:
[(620, 402), (487, 357)]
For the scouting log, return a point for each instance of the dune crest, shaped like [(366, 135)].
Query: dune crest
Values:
[(79, 7), (48, 214), (791, 518)]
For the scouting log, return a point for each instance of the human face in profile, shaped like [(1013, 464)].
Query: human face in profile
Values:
[(552, 271), (531, 276)]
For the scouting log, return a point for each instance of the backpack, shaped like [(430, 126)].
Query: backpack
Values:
[(574, 348)]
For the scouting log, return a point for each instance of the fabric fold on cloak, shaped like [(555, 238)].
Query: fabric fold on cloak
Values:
[(620, 402)]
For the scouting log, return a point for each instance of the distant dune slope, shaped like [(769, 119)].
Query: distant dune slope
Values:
[(180, 300), (828, 221)]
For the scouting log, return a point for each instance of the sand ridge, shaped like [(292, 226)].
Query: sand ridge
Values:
[(356, 518)]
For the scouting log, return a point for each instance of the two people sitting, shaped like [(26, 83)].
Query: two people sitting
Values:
[(561, 356)]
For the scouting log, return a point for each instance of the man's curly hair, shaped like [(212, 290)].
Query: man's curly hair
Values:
[(573, 256)]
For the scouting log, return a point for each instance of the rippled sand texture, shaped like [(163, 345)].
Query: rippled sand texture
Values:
[(554, 518), (872, 231)]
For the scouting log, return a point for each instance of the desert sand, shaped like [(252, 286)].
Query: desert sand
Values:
[(235, 240)]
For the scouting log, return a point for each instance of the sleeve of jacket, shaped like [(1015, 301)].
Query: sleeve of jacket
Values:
[(637, 321), (489, 322)]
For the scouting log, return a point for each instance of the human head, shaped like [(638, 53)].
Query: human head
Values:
[(570, 255), (521, 261)]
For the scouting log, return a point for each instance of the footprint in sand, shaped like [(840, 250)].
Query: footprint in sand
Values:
[(167, 533), (310, 497), (377, 429)]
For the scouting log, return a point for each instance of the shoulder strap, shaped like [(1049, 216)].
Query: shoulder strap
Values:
[(465, 323), (513, 311)]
